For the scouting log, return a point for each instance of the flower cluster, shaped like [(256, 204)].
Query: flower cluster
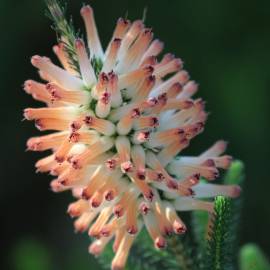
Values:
[(119, 136)]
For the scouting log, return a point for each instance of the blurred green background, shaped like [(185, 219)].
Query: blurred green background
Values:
[(226, 48)]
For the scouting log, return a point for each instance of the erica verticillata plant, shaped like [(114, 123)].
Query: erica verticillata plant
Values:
[(121, 120)]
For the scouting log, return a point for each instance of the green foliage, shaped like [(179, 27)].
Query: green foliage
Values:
[(97, 65), (183, 251), (199, 223), (235, 175), (106, 257), (252, 258), (65, 30), (199, 227), (67, 35), (218, 248), (145, 257), (200, 219)]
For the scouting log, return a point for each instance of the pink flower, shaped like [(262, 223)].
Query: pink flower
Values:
[(118, 137)]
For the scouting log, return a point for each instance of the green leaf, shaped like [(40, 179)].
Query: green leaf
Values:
[(235, 174), (252, 257), (199, 226), (65, 31), (218, 248), (200, 220), (179, 254), (97, 65)]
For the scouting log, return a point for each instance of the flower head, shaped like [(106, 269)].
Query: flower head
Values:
[(121, 120)]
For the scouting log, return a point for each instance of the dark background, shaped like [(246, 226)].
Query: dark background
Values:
[(226, 48)]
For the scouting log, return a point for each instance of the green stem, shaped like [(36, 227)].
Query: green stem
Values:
[(218, 248)]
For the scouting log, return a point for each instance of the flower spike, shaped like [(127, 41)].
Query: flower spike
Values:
[(122, 120)]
